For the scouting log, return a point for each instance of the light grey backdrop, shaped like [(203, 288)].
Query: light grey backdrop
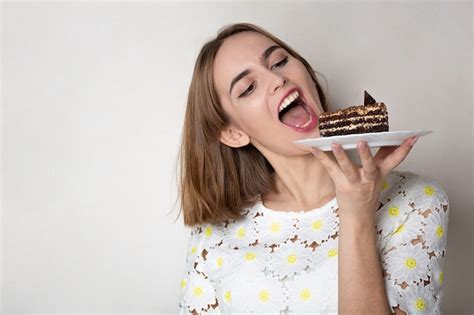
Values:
[(93, 103)]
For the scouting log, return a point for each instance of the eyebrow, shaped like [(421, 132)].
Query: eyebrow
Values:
[(264, 57)]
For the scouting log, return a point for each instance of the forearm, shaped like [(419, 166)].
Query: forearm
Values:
[(360, 280)]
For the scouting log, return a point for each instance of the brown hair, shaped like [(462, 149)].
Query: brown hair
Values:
[(216, 182)]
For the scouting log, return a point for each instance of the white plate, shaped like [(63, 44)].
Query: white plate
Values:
[(374, 139)]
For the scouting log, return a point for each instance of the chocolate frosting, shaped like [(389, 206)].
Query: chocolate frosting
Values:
[(368, 99)]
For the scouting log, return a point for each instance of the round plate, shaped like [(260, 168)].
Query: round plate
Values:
[(374, 139)]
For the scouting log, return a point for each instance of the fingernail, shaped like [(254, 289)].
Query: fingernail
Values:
[(337, 148), (413, 141), (315, 151)]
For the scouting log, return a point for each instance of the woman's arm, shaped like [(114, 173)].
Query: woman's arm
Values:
[(361, 283), (413, 245)]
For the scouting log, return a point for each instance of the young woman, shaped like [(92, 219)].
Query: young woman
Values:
[(279, 228)]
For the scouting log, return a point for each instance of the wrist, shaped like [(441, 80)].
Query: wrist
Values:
[(361, 218), (358, 225), (358, 221)]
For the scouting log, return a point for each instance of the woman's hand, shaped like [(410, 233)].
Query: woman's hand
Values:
[(358, 188), (357, 191)]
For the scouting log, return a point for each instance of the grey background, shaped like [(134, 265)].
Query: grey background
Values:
[(93, 102)]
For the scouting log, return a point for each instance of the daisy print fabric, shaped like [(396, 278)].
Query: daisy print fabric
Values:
[(286, 262)]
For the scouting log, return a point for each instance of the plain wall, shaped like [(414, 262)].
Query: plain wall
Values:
[(94, 95)]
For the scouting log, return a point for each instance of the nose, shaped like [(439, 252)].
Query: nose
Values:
[(278, 82)]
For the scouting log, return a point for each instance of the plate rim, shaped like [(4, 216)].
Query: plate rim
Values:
[(420, 131)]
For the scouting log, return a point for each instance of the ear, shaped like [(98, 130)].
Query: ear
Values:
[(234, 137)]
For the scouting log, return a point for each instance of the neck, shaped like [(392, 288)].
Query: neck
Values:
[(302, 183)]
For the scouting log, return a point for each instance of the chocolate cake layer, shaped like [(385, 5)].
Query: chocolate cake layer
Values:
[(356, 129), (324, 118), (354, 119), (353, 111)]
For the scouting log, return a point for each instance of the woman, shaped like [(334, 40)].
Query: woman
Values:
[(280, 228)]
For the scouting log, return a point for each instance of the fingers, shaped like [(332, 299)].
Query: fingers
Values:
[(345, 163), (397, 156), (386, 159), (383, 152), (328, 162), (340, 165), (370, 168)]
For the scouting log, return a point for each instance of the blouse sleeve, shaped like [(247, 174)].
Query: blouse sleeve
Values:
[(414, 246), (198, 294)]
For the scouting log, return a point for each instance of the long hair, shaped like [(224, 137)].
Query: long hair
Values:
[(217, 182)]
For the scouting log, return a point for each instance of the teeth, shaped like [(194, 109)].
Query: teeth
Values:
[(290, 98)]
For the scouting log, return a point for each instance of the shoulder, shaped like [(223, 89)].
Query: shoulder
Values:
[(414, 206), (209, 252), (212, 236), (421, 190), (204, 236)]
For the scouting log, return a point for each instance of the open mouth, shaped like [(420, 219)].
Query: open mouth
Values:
[(298, 115)]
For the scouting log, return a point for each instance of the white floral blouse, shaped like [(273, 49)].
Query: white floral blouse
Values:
[(286, 262)]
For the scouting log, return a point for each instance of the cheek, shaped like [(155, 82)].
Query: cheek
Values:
[(298, 70), (256, 118), (308, 81), (303, 73), (253, 117)]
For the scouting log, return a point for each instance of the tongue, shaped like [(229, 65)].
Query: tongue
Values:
[(297, 115)]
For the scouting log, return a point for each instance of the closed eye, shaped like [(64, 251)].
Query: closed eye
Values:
[(278, 65), (247, 91), (281, 63)]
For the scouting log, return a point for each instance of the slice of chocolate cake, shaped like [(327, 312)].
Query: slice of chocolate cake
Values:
[(370, 117)]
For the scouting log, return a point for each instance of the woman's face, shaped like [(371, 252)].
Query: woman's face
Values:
[(253, 100)]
